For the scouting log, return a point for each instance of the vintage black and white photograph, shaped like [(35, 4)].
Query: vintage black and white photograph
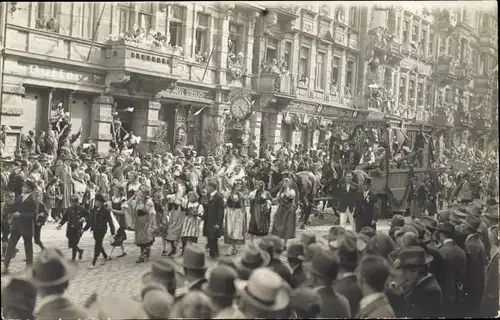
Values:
[(249, 159)]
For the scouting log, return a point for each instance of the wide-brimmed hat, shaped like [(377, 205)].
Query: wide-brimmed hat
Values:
[(194, 257), (252, 258), (311, 250), (163, 270), (221, 282), (445, 227), (429, 222), (474, 209), (397, 221), (411, 257), (295, 251), (265, 290), (156, 300), (333, 236), (492, 213), (324, 264), (472, 222), (51, 268), (19, 293), (457, 216), (276, 241), (443, 216)]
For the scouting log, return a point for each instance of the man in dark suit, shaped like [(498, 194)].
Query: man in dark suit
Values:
[(348, 195), (454, 265), (51, 286), (295, 255), (373, 272), (213, 218), (23, 220), (100, 218), (364, 215), (475, 268)]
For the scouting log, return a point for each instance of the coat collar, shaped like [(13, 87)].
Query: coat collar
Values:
[(371, 302)]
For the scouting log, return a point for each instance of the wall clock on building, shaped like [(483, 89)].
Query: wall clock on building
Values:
[(240, 108)]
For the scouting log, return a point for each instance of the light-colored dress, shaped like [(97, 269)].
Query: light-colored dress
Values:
[(191, 226), (235, 220), (145, 223), (177, 215)]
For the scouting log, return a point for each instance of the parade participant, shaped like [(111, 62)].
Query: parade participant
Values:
[(348, 195), (75, 216), (417, 197), (285, 217), (191, 225), (213, 218), (372, 275), (41, 218), (63, 173), (132, 185), (177, 214), (235, 222), (117, 201), (100, 218), (161, 208), (260, 211), (50, 198), (145, 223), (23, 220), (364, 213), (7, 212)]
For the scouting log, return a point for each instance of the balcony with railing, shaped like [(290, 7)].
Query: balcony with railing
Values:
[(444, 115), (446, 68), (148, 57), (383, 41), (277, 83), (465, 73)]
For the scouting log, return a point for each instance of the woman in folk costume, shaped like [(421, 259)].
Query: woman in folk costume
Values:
[(285, 217), (117, 201), (35, 174), (260, 211), (161, 208), (63, 172), (191, 226), (145, 223), (235, 222), (103, 182), (177, 214)]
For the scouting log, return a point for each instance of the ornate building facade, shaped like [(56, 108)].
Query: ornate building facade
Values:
[(297, 67)]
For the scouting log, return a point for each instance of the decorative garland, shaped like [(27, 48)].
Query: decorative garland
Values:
[(353, 135)]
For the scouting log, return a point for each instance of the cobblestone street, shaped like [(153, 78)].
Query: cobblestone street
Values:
[(121, 275)]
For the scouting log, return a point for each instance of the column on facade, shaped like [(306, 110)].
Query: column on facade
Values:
[(396, 90), (213, 127), (249, 39), (100, 126), (145, 122), (222, 48), (254, 130), (295, 59), (313, 65), (274, 130)]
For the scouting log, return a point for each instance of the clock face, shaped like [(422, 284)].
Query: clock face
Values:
[(240, 107)]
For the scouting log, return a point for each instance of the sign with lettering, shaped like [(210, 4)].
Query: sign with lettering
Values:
[(302, 107), (59, 74), (193, 93), (328, 111)]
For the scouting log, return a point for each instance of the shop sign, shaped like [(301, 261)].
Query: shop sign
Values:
[(58, 74), (302, 108), (328, 111)]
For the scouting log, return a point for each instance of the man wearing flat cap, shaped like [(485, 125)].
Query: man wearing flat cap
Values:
[(23, 223)]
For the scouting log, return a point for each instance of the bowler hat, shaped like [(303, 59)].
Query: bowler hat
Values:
[(252, 258), (397, 221), (19, 293), (221, 282), (163, 270), (295, 251), (51, 268), (412, 257), (194, 257), (265, 290), (445, 227)]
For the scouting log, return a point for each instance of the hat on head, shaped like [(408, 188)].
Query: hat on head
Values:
[(456, 217), (194, 257), (42, 157), (472, 222), (277, 243), (445, 227), (114, 307), (397, 221), (474, 209), (51, 268), (324, 264), (443, 216), (366, 233), (19, 293), (157, 302), (99, 197), (295, 251), (492, 213), (411, 257), (311, 250), (334, 235), (306, 299), (351, 242), (307, 238), (163, 270), (265, 290), (267, 245), (221, 282), (252, 258), (491, 202), (429, 222)]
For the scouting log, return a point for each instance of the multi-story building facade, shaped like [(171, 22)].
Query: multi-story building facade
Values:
[(297, 68)]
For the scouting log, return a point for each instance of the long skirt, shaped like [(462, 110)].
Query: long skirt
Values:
[(416, 209), (175, 223), (260, 219), (235, 226), (284, 221), (191, 227), (143, 235)]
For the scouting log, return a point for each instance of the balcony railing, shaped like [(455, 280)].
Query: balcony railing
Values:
[(446, 66), (278, 83)]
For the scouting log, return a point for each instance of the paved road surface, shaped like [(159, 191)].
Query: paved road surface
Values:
[(121, 275)]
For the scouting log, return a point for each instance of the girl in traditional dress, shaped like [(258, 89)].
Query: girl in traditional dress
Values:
[(133, 184), (177, 214), (285, 217), (235, 222), (191, 226), (145, 223), (260, 211), (116, 208), (161, 218), (50, 197)]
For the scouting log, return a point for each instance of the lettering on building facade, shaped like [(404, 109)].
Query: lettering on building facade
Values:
[(59, 74), (188, 92)]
